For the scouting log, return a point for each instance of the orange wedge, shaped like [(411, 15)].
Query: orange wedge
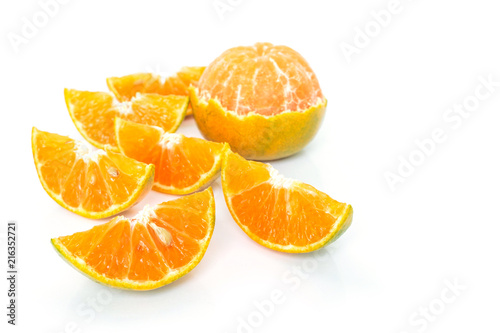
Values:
[(279, 213), (126, 87), (91, 183), (183, 165), (94, 113), (159, 245)]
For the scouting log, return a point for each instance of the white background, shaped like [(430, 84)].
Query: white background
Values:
[(441, 224)]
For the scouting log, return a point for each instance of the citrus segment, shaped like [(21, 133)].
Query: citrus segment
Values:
[(92, 183), (159, 245), (126, 87), (183, 164), (94, 113), (280, 213)]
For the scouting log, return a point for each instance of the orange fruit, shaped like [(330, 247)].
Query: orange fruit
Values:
[(91, 183), (264, 100), (279, 213), (94, 113), (183, 165), (159, 245), (126, 87)]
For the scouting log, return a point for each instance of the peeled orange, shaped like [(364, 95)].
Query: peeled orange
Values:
[(92, 183), (264, 100), (280, 213), (183, 164), (159, 245), (94, 113), (126, 87)]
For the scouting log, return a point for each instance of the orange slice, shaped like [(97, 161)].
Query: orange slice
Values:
[(94, 113), (126, 87), (279, 213), (183, 164), (159, 245), (91, 183)]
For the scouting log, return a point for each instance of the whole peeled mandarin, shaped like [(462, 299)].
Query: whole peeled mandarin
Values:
[(264, 100)]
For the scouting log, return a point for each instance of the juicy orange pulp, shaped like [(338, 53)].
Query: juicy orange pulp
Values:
[(94, 113), (92, 183), (126, 87), (263, 79), (159, 245), (280, 213), (183, 164)]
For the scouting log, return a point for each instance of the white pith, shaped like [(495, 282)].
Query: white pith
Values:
[(278, 180)]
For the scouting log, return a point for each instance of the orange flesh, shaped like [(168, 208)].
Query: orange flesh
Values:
[(95, 112), (275, 209), (263, 78), (179, 161), (134, 249), (147, 262), (111, 257), (93, 180), (126, 87)]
